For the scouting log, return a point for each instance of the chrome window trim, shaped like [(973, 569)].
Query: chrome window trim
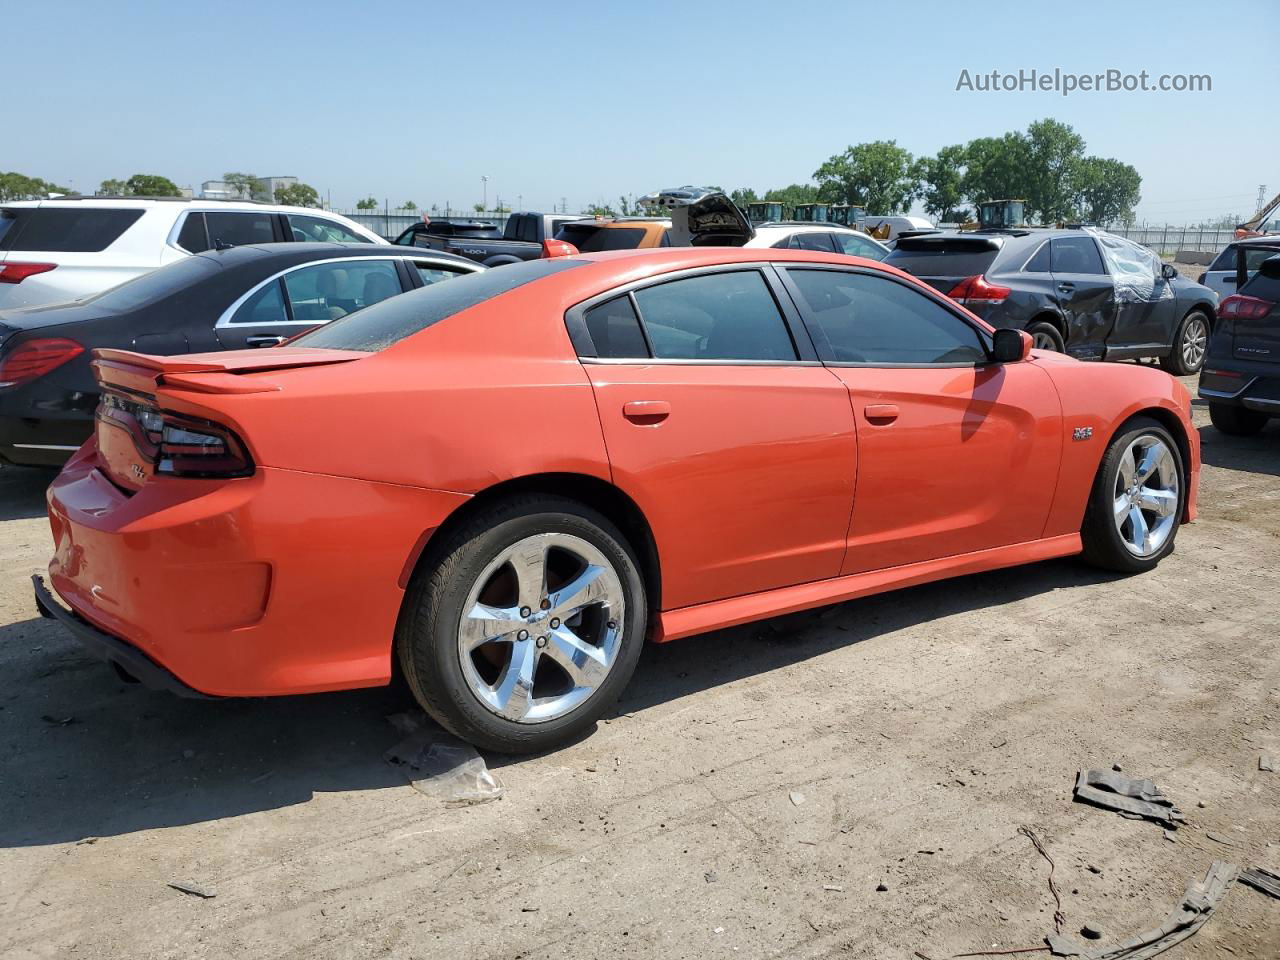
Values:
[(224, 321), (688, 362)]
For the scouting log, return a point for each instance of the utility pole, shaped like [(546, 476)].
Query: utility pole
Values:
[(564, 204), (1262, 196), (484, 184)]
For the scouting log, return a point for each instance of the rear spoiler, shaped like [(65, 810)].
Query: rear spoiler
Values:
[(207, 372), (949, 241)]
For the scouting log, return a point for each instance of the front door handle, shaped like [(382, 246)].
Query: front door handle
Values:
[(1066, 287), (646, 413), (263, 341), (880, 413)]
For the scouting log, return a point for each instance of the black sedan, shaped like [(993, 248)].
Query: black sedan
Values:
[(251, 296), (1088, 293)]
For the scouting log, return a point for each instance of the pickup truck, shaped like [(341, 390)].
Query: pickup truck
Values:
[(521, 239)]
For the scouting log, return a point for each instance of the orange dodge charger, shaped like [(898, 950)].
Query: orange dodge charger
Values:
[(506, 482)]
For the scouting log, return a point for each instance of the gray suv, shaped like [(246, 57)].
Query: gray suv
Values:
[(1084, 292)]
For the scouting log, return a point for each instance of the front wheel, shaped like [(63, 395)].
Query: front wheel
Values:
[(1045, 336), (1189, 345), (1236, 421), (1137, 500), (527, 625)]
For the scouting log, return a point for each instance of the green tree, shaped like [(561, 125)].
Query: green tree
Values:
[(790, 195), (940, 179), (1105, 190), (743, 196), (477, 207), (247, 186), (1054, 150), (151, 185), (297, 195), (599, 210), (996, 169), (879, 176), (408, 205), (114, 188), (368, 203), (19, 186)]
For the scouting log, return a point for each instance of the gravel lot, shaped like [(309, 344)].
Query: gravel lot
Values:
[(748, 797)]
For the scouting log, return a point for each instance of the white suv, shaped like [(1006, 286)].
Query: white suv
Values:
[(52, 251), (827, 237)]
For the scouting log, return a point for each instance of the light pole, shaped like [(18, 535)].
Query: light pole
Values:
[(484, 185)]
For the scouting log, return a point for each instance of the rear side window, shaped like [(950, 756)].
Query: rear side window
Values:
[(1226, 258), (717, 316), (383, 324), (1039, 262), (8, 221), (193, 237), (856, 245), (812, 241), (941, 259), (1076, 255), (264, 307), (239, 229), (615, 331), (876, 321), (590, 238), (66, 229)]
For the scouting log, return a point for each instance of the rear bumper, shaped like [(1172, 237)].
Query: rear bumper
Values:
[(111, 649), (284, 582), (41, 443), (1254, 392)]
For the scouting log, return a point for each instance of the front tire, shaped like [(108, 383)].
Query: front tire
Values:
[(1189, 345), (1137, 500), (525, 625), (1045, 336), (1236, 421)]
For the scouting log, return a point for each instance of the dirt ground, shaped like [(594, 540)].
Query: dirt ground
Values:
[(750, 794)]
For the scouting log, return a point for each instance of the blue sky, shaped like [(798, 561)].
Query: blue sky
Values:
[(417, 100)]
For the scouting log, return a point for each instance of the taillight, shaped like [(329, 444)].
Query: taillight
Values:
[(35, 358), (978, 290), (1241, 307), (17, 272), (558, 248), (178, 445)]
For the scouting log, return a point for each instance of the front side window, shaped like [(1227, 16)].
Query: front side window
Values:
[(1076, 255), (861, 318), (322, 230), (329, 291), (239, 229), (266, 306), (856, 245), (716, 316)]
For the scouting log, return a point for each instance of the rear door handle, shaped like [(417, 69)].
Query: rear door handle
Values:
[(263, 341), (880, 412), (646, 412), (1066, 287)]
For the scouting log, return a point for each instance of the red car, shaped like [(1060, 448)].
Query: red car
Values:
[(508, 481)]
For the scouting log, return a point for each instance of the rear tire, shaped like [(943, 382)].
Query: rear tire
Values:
[(1046, 337), (524, 625), (1190, 344), (1236, 421), (1137, 500)]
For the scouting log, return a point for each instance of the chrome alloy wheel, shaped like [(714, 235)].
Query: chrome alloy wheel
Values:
[(1195, 337), (541, 627), (1146, 495), (1044, 341)]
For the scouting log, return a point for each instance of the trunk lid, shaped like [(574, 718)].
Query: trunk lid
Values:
[(701, 217), (1257, 334)]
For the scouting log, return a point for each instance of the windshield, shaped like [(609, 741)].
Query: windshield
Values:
[(378, 327)]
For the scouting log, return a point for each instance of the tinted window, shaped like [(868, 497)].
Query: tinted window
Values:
[(330, 291), (8, 221), (529, 229), (615, 330), (386, 323), (320, 230), (1253, 257), (265, 306), (1076, 255), (591, 238), (433, 274), (941, 259), (239, 229), (1226, 258), (158, 284), (873, 320), (1039, 261), (192, 237), (1265, 288), (67, 229), (856, 245), (812, 241), (719, 316)]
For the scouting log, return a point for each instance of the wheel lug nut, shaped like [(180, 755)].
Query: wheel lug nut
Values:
[(525, 611), (613, 624), (522, 635), (542, 642), (555, 622), (546, 605)]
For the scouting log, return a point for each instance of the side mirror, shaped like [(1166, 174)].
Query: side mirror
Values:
[(1011, 346), (1169, 271), (557, 248), (1270, 268)]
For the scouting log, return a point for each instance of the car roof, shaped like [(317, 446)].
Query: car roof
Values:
[(302, 252), (785, 229), (620, 222), (194, 203)]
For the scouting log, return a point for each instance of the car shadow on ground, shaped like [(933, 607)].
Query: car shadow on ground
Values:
[(87, 755), (1257, 454), (22, 491)]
